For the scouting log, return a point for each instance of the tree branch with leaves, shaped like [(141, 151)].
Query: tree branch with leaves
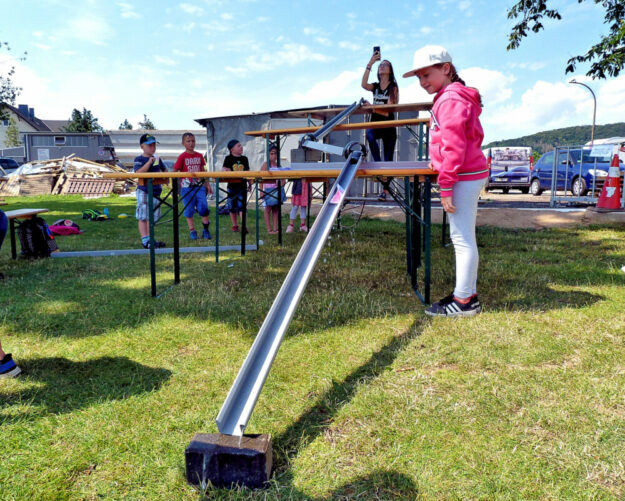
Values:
[(607, 56)]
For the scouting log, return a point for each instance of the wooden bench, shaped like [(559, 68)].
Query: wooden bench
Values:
[(19, 214)]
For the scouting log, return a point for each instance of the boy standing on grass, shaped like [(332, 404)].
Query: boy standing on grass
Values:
[(237, 188), (193, 192), (147, 162)]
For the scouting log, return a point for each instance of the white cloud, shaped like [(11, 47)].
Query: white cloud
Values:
[(88, 29), (214, 26), (180, 53), (227, 17), (128, 11), (349, 45), (426, 30), (493, 85), (534, 66), (194, 10), (345, 87), (291, 54), (323, 41), (464, 5), (42, 46), (188, 27), (167, 61), (37, 34), (550, 105)]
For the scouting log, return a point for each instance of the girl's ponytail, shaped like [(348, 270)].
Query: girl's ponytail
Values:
[(454, 77)]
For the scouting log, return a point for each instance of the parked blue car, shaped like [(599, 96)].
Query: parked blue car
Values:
[(570, 175)]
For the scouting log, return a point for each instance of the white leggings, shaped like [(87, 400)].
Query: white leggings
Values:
[(462, 230), (302, 213)]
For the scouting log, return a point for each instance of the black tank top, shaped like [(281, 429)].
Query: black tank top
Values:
[(381, 97)]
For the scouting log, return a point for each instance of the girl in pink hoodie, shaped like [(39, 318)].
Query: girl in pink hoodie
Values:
[(455, 151)]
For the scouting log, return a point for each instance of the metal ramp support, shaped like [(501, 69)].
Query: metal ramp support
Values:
[(239, 404)]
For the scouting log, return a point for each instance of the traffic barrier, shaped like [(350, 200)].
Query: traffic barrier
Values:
[(610, 198)]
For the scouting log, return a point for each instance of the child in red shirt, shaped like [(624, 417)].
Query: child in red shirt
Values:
[(193, 190)]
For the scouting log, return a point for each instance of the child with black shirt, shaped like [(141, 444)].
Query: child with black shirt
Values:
[(237, 188)]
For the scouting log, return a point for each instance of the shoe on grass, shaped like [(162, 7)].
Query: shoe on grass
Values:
[(289, 228), (206, 235), (303, 228), (193, 235), (8, 367), (235, 228), (449, 307), (157, 245)]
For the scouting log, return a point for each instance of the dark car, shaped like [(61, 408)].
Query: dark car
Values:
[(578, 178), (509, 168), (8, 165)]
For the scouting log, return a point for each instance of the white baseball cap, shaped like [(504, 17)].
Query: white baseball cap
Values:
[(428, 56)]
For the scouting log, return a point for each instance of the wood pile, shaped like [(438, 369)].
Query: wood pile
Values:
[(63, 176)]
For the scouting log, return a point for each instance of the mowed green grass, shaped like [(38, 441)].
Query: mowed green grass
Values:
[(367, 399)]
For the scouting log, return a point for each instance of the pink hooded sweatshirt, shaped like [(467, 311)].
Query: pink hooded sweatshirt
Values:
[(456, 137)]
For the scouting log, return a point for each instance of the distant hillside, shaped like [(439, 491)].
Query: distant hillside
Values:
[(545, 141)]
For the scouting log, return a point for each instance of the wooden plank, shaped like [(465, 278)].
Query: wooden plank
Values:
[(22, 213), (386, 108), (356, 126), (284, 174)]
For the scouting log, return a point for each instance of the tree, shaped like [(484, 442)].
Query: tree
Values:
[(83, 122), (146, 124), (608, 54), (125, 125), (8, 91), (13, 134)]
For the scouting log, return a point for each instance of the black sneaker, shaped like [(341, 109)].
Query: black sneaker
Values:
[(382, 197), (8, 368), (449, 307), (157, 245)]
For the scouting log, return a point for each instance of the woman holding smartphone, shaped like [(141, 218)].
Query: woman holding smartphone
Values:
[(385, 91)]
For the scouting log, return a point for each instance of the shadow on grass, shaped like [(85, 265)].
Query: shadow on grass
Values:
[(286, 446), (379, 484), (69, 385)]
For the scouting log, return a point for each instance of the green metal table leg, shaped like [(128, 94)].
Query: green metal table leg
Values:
[(257, 214), (152, 239), (217, 219), (174, 201), (409, 220), (427, 234)]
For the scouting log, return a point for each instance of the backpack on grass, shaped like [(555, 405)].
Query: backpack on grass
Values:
[(35, 238), (93, 215)]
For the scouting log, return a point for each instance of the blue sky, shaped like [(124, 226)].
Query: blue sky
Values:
[(177, 61)]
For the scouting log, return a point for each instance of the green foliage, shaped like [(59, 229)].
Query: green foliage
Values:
[(83, 122), (147, 124), (608, 55), (542, 142), (13, 134), (125, 125), (8, 90)]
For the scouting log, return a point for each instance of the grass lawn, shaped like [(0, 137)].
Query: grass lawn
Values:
[(368, 398)]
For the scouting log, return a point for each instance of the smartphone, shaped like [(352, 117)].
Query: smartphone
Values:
[(376, 49)]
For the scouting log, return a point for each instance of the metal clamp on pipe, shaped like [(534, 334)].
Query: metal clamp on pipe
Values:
[(311, 140)]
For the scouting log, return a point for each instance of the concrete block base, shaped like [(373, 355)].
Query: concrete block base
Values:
[(226, 461)]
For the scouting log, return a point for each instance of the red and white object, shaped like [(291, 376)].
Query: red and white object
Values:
[(610, 198)]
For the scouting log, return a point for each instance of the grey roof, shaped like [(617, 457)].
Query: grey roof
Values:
[(35, 122), (272, 114), (57, 125)]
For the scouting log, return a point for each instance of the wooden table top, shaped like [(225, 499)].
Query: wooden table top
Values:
[(355, 126), (386, 108)]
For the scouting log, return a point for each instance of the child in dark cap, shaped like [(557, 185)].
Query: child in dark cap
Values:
[(147, 162), (236, 162)]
